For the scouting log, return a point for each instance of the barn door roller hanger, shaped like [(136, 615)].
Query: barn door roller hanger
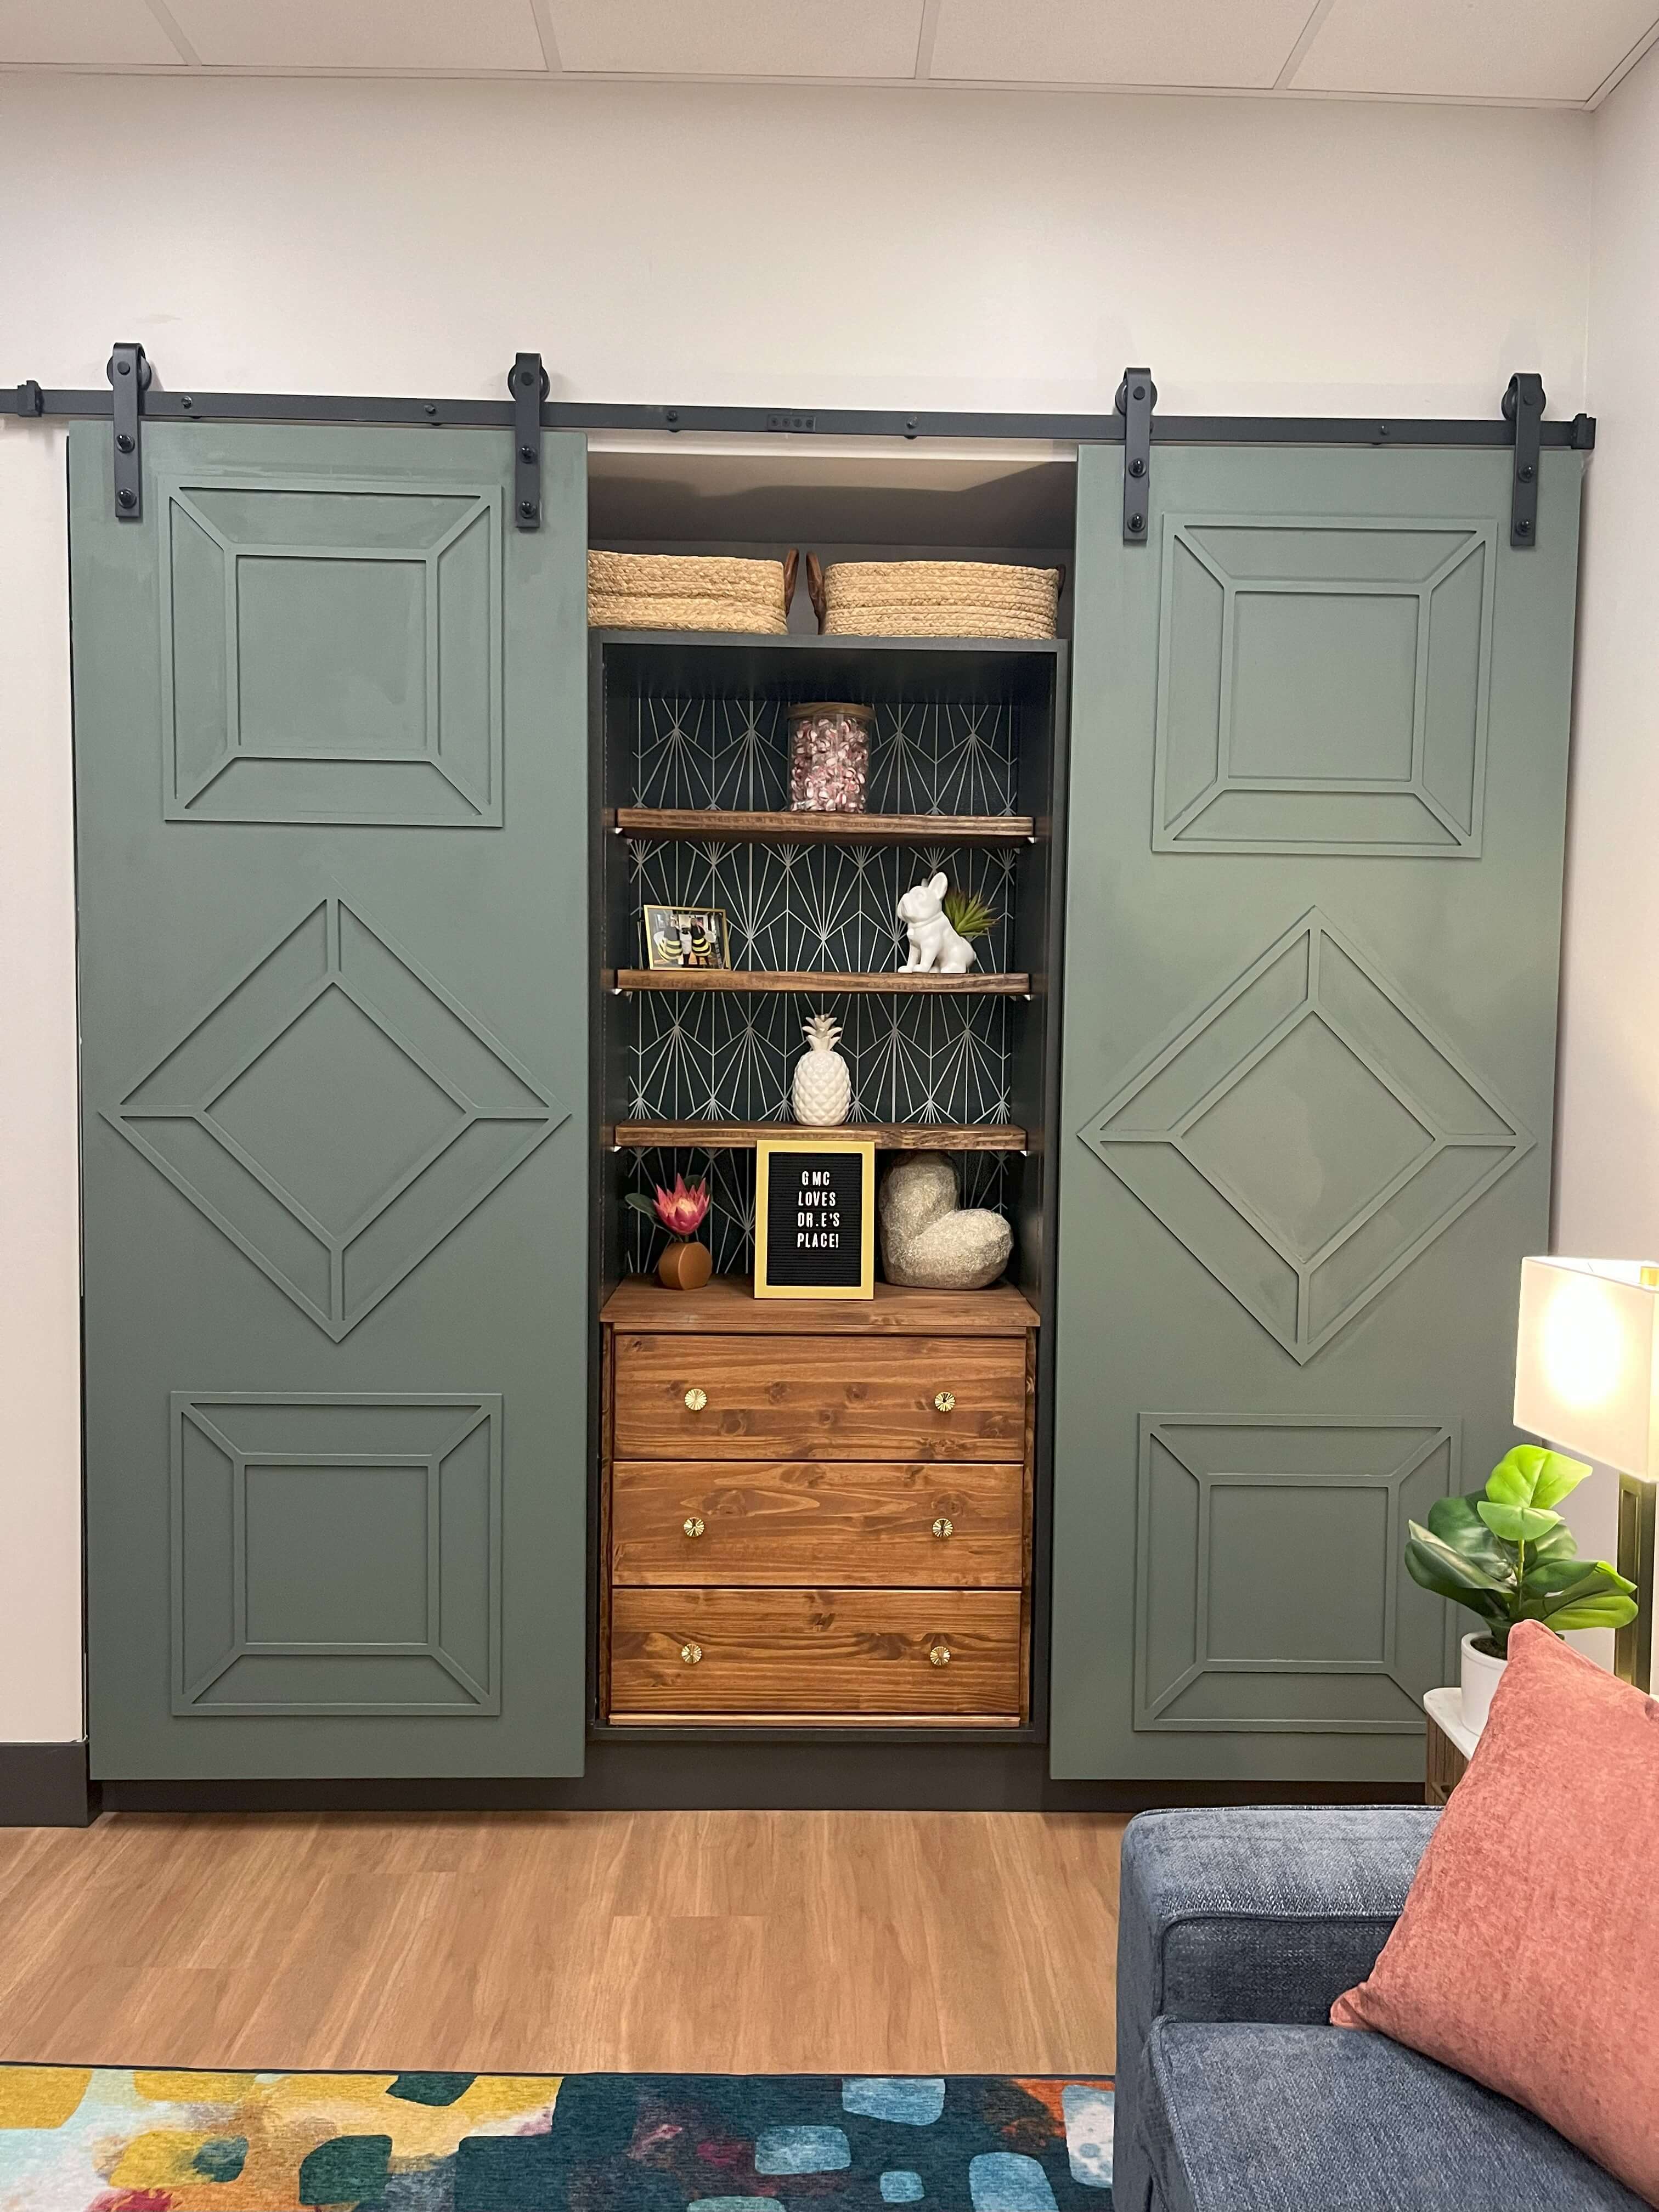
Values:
[(129, 373), (1137, 396), (528, 382), (1523, 406)]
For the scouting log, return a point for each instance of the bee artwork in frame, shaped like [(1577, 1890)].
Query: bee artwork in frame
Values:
[(685, 937)]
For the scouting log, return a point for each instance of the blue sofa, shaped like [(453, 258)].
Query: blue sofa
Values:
[(1236, 1931)]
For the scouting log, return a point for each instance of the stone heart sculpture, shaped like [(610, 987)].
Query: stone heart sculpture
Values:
[(928, 1239)]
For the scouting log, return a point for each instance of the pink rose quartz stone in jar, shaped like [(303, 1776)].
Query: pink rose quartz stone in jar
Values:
[(828, 758)]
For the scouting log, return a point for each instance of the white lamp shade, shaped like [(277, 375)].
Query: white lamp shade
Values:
[(1587, 1359)]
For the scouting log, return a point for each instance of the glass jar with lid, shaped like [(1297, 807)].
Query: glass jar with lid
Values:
[(830, 756)]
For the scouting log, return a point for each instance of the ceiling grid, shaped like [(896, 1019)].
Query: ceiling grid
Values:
[(1542, 53)]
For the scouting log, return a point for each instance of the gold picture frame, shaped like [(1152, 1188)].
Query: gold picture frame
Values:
[(788, 1275), (686, 937)]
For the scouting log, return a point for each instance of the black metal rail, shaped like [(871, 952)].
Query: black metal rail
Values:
[(31, 399), (1134, 424)]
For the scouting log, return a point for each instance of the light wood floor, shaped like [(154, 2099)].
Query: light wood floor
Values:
[(634, 1942)]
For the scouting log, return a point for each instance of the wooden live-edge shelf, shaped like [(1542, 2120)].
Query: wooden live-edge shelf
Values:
[(727, 1306), (888, 1136), (819, 983), (738, 827)]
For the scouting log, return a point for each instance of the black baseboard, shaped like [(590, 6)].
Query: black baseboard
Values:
[(731, 1777), (45, 1785)]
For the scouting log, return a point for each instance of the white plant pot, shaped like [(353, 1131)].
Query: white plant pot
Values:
[(1479, 1680)]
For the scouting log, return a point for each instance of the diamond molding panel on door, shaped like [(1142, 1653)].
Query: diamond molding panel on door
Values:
[(1306, 1135), (1322, 685), (337, 1553), (1224, 1502), (336, 1113), (332, 650)]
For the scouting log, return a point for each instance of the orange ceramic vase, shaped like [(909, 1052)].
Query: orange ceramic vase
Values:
[(685, 1265)]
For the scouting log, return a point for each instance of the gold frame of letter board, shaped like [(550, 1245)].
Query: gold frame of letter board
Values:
[(765, 1148)]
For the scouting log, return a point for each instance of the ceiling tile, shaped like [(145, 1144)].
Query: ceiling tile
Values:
[(379, 34), (740, 38), (1202, 42), (108, 34), (1474, 49)]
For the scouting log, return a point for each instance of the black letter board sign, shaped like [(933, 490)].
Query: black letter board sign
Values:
[(815, 1218)]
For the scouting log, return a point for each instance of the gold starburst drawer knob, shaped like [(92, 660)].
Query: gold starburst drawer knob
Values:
[(696, 1400), (694, 1524), (944, 1401), (691, 1654), (944, 1528), (939, 1654)]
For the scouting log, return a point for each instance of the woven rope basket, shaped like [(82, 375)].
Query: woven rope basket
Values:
[(934, 598), (679, 591)]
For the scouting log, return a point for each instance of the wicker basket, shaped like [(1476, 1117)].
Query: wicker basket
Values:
[(675, 590), (934, 599)]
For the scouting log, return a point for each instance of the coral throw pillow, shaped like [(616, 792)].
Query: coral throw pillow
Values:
[(1528, 1953)]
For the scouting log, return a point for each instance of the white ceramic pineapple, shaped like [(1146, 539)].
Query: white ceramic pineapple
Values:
[(823, 1090)]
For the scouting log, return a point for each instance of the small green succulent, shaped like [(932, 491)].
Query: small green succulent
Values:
[(968, 914), (1507, 1556)]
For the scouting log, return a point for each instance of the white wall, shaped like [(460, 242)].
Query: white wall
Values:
[(39, 1235), (1608, 1201), (1607, 1134), (708, 244)]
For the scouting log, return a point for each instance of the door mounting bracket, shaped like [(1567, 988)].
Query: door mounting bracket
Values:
[(1523, 406), (31, 400), (529, 383), (129, 373), (1136, 398)]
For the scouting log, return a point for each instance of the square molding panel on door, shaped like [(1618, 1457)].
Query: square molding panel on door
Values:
[(1379, 745), (337, 1554), (1219, 1504), (331, 649)]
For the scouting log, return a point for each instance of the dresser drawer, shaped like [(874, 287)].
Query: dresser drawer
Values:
[(884, 1524), (925, 1398), (817, 1652)]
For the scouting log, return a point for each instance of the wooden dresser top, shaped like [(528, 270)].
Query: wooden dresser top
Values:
[(728, 1307)]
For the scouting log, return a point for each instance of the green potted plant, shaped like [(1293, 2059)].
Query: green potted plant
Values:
[(1507, 1555), (968, 914)]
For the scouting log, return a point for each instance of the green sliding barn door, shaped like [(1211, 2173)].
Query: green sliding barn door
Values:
[(330, 777), (1318, 786)]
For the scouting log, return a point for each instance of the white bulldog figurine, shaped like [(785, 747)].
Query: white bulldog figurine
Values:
[(934, 942)]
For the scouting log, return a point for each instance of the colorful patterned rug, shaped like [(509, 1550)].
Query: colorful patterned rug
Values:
[(117, 2139)]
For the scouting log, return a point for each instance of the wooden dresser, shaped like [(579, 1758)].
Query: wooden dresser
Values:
[(816, 1513)]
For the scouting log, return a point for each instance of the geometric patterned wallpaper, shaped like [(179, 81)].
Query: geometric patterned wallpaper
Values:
[(926, 756), (729, 1228), (820, 905), (729, 1056)]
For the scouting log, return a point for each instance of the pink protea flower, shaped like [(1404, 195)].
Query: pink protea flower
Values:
[(682, 1209)]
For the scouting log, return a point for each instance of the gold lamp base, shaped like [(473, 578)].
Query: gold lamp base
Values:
[(1638, 1518)]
